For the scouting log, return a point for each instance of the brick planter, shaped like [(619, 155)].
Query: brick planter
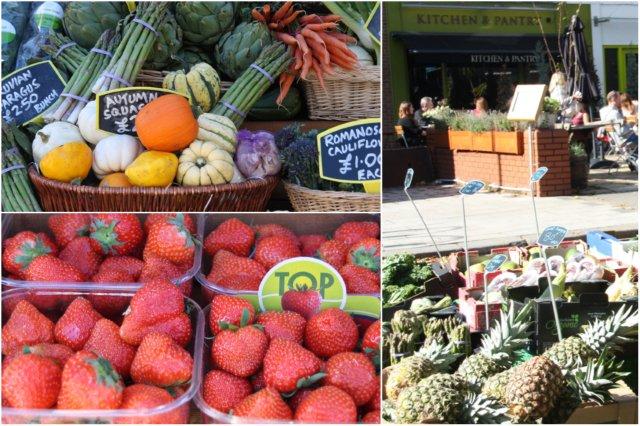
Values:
[(396, 161)]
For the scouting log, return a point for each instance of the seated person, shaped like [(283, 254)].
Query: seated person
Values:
[(426, 104), (482, 107), (412, 132), (613, 112), (628, 106), (581, 117)]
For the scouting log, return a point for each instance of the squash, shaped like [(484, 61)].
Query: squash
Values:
[(203, 163), (70, 162), (153, 168), (114, 153), (88, 125), (218, 129), (166, 124), (54, 135), (115, 180), (201, 85)]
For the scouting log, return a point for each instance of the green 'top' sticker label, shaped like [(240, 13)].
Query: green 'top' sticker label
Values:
[(49, 15), (8, 32)]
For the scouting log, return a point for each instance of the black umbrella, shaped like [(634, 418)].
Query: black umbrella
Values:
[(577, 64)]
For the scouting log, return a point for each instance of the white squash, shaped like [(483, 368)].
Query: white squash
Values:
[(52, 136), (87, 124), (114, 153), (364, 57), (204, 163)]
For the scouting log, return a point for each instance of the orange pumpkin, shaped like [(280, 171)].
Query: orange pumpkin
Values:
[(115, 180), (166, 124)]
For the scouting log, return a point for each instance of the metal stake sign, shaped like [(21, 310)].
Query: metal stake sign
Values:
[(493, 265), (469, 188), (535, 178), (552, 236)]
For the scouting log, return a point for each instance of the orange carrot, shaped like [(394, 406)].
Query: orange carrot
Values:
[(310, 19), (342, 37), (287, 39), (343, 62), (323, 26), (266, 11), (306, 55), (297, 55), (283, 11), (257, 15), (289, 19), (330, 18), (328, 69), (335, 45), (318, 71), (273, 26), (286, 80), (319, 51)]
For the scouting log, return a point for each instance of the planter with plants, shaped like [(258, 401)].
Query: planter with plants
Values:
[(579, 162), (490, 133), (550, 110)]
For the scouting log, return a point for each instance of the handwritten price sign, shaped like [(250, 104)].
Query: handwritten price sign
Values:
[(552, 236), (539, 174), (472, 187), (495, 263)]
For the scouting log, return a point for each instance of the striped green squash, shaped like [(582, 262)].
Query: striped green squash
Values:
[(218, 129), (201, 85)]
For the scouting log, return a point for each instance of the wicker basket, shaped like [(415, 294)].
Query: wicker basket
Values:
[(312, 200), (349, 95), (251, 195), (152, 78)]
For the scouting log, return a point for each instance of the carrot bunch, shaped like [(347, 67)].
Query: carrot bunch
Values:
[(317, 43)]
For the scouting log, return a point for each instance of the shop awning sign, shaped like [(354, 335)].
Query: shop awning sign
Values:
[(373, 23), (526, 103)]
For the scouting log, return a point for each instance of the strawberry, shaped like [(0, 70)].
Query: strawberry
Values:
[(230, 310), (266, 404), (359, 280), (115, 233), (31, 381), (110, 306), (352, 232), (161, 362), (157, 306), (155, 218), (75, 325), (365, 253), (274, 249), (89, 382), (287, 362), (330, 332), (374, 402), (49, 268), (59, 353), (296, 399), (140, 397), (327, 404), (353, 373), (79, 253), (334, 252), (304, 302), (223, 391), (371, 417), (21, 249), (232, 235), (235, 272), (371, 340), (257, 381), (311, 243), (285, 325), (127, 264), (105, 341), (156, 267), (273, 229), (67, 226), (239, 351), (172, 240), (26, 326)]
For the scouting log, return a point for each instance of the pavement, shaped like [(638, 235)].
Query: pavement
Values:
[(609, 204)]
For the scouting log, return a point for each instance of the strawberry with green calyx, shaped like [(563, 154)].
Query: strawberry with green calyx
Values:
[(67, 226), (223, 391), (49, 268), (232, 235), (105, 341), (140, 397), (89, 382), (310, 243), (26, 326), (236, 272), (371, 342), (79, 252), (266, 404), (327, 404), (330, 332), (116, 234), (55, 351), (229, 310), (155, 218), (287, 325), (354, 373), (288, 366), (365, 253), (359, 280), (334, 252), (21, 249), (274, 249), (31, 381), (352, 232), (273, 229), (74, 326), (303, 301), (159, 361), (172, 240)]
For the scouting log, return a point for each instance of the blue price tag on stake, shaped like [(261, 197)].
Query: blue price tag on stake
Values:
[(439, 269), (408, 178), (539, 174), (552, 236), (495, 263), (472, 187)]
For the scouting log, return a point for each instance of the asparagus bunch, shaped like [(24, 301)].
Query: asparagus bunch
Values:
[(252, 84), (67, 108), (69, 58), (137, 42), (17, 193)]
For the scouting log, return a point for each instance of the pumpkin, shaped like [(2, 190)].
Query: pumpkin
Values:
[(70, 162), (218, 129), (201, 85), (153, 168), (54, 135), (115, 180), (166, 124), (87, 124), (203, 163), (114, 153)]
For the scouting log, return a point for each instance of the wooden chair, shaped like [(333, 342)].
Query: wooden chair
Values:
[(400, 134)]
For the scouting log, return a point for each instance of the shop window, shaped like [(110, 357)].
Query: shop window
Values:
[(621, 69), (611, 69)]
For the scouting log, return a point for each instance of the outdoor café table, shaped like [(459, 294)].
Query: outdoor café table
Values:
[(597, 153)]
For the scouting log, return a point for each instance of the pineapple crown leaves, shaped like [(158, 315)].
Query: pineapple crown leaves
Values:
[(508, 334), (441, 356), (593, 381), (105, 373), (30, 251), (481, 409), (616, 329)]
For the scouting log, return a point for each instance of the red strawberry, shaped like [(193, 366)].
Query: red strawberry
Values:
[(296, 399), (353, 373), (359, 280), (229, 309), (334, 252), (327, 404), (158, 268), (311, 243), (74, 327), (172, 240), (155, 218), (141, 397), (371, 340), (79, 253), (21, 249), (116, 233), (89, 382), (286, 362), (330, 332), (304, 302), (285, 325), (239, 352), (110, 306), (365, 253), (374, 402), (232, 235), (26, 326), (105, 341), (67, 226), (266, 404), (223, 391), (371, 417), (273, 229), (31, 381), (127, 264), (257, 381), (235, 272), (161, 362), (58, 353), (352, 232), (49, 268), (274, 249), (157, 306)]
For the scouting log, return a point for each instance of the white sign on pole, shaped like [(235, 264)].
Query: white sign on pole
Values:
[(526, 103)]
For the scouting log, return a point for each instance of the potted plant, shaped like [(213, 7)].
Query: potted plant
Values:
[(438, 118), (506, 138), (550, 109), (460, 137), (578, 160)]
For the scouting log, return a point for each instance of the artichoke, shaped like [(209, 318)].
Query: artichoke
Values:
[(84, 22), (167, 44), (239, 48), (189, 56), (203, 23)]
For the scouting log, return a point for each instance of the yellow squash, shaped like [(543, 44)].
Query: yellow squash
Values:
[(115, 180), (70, 162), (153, 168)]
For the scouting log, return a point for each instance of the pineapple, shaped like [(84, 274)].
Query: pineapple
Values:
[(496, 385), (481, 409), (437, 399)]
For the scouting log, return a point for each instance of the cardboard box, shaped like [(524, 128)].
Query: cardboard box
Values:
[(624, 409), (473, 309)]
